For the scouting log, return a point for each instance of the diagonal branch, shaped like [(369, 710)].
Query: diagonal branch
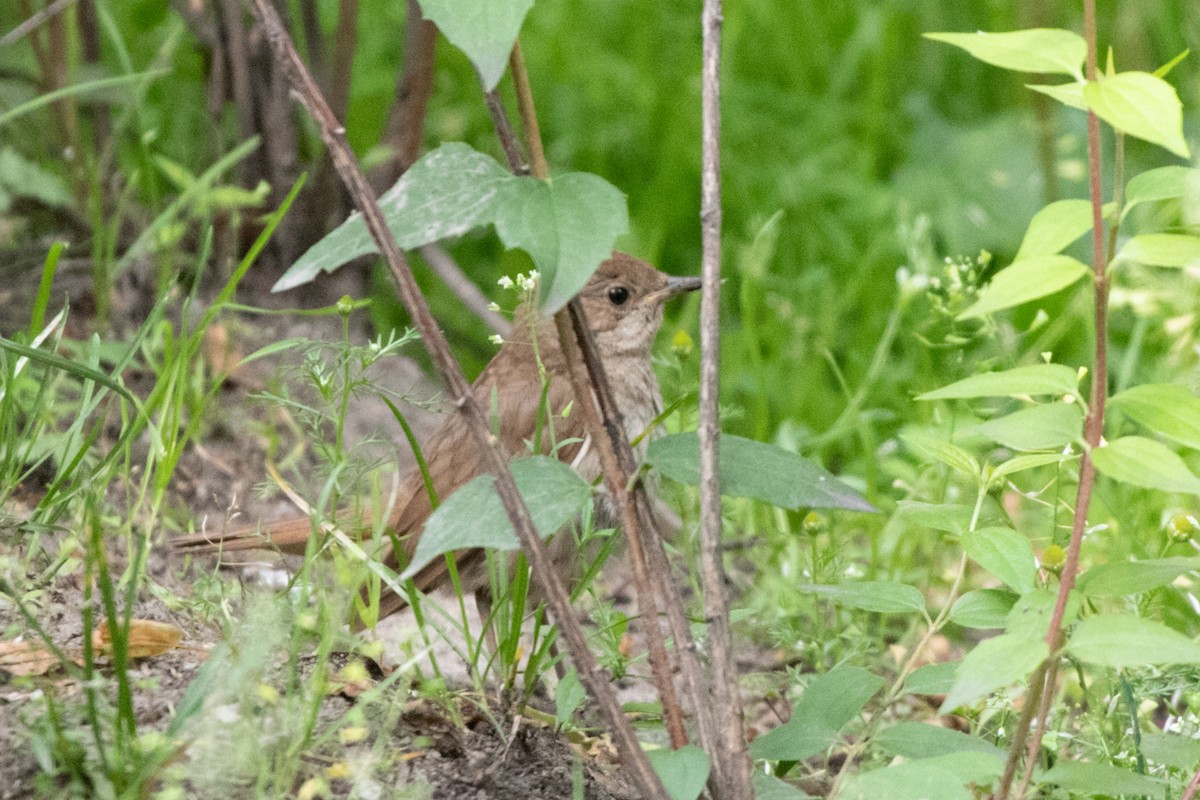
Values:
[(333, 133)]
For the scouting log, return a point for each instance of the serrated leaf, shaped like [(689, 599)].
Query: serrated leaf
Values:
[(1134, 577), (1141, 105), (683, 771), (1048, 426), (1105, 780), (1119, 641), (1054, 227), (1164, 183), (1004, 553), (1045, 50), (983, 609), (922, 740), (1139, 461), (830, 702), (883, 597), (947, 453), (1036, 379), (1069, 94), (758, 470), (483, 29), (1162, 250), (931, 679), (993, 664), (474, 517), (1168, 410), (1025, 280)]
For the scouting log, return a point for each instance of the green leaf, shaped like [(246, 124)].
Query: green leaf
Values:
[(1139, 461), (941, 777), (21, 177), (931, 679), (483, 29), (947, 517), (1036, 379), (683, 771), (754, 469), (1162, 250), (983, 609), (1022, 463), (937, 449), (923, 740), (1167, 409), (1164, 183), (1172, 750), (768, 787), (1030, 615), (884, 597), (474, 517), (1028, 279), (1054, 227), (567, 225), (993, 664), (1069, 94), (569, 695), (830, 702), (1103, 780), (1048, 426), (1140, 105), (1119, 641), (1036, 50), (1004, 553), (1134, 577)]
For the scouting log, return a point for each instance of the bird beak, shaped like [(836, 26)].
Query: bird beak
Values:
[(675, 285)]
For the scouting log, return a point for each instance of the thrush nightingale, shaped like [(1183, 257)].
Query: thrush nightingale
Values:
[(623, 304)]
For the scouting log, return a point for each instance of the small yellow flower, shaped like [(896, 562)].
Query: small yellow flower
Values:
[(681, 344)]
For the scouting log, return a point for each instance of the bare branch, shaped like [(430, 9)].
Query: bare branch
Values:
[(444, 266)]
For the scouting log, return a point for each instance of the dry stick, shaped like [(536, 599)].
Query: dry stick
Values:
[(32, 23), (345, 41), (734, 782), (1192, 788), (605, 426), (334, 136), (445, 267), (405, 127), (1093, 425)]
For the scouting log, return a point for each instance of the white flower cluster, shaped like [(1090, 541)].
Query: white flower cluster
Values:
[(523, 282)]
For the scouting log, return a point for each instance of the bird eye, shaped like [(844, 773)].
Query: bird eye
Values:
[(618, 295)]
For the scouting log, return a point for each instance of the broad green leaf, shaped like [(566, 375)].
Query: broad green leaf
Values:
[(931, 679), (830, 702), (754, 469), (474, 517), (1054, 227), (483, 29), (1104, 780), (1004, 553), (1022, 463), (1036, 379), (1119, 641), (569, 695), (1069, 94), (923, 740), (683, 771), (1134, 577), (948, 517), (984, 609), (1173, 750), (884, 597), (1139, 461), (1028, 279), (1036, 50), (993, 664), (1047, 426), (938, 778), (1162, 250), (1030, 615), (1164, 183), (768, 787), (938, 449), (1167, 409), (567, 224), (20, 177), (1141, 105)]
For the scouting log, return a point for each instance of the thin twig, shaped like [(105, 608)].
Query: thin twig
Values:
[(1093, 425), (31, 24), (594, 678), (405, 128), (732, 781), (445, 267), (1192, 788), (586, 372)]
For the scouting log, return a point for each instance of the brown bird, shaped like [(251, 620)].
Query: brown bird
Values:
[(623, 303)]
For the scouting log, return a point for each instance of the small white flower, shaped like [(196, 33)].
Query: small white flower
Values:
[(505, 282), (493, 306), (496, 338)]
